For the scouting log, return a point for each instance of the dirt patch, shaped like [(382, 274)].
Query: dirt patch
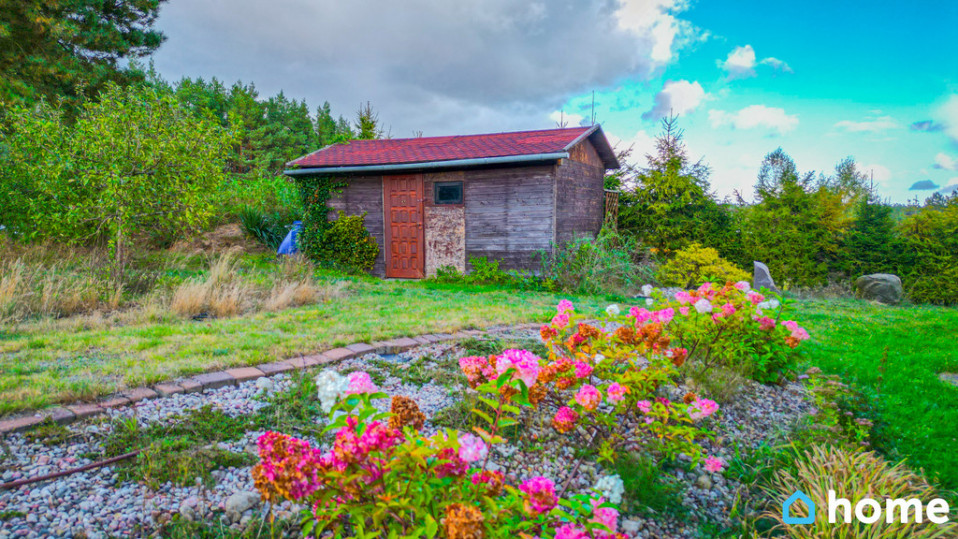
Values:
[(222, 239), (949, 378)]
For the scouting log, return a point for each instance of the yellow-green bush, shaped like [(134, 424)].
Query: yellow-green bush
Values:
[(853, 475), (349, 245), (695, 265)]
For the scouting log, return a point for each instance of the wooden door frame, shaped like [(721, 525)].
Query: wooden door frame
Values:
[(388, 232)]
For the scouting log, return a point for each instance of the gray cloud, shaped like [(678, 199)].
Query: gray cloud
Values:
[(926, 125), (923, 185), (434, 65)]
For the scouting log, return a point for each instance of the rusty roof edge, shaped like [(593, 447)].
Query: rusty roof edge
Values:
[(449, 163)]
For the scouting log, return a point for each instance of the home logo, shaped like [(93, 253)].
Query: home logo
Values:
[(787, 518)]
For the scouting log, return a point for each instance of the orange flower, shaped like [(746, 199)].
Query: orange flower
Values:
[(464, 522), (537, 393), (405, 412)]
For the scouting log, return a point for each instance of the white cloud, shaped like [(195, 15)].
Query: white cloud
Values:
[(947, 114), (656, 19), (755, 117), (741, 63), (870, 125), (567, 119), (641, 143), (676, 97), (945, 161)]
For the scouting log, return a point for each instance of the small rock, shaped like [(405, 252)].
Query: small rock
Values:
[(239, 502), (704, 482)]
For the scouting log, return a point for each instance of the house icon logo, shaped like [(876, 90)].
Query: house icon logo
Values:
[(787, 518)]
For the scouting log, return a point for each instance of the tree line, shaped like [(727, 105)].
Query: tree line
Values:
[(810, 229)]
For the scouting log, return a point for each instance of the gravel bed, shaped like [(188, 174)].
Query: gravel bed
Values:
[(98, 503)]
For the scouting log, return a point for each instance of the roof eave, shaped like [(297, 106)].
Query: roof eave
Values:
[(429, 165), (601, 144)]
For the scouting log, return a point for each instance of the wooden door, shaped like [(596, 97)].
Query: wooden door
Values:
[(402, 207)]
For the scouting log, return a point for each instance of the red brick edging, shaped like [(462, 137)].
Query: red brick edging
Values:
[(211, 380)]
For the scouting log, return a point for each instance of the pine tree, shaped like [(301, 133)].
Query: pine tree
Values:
[(367, 123), (871, 244), (69, 49)]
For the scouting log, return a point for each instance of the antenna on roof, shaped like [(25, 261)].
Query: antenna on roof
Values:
[(593, 107)]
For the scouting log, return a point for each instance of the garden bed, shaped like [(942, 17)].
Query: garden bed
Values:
[(199, 450)]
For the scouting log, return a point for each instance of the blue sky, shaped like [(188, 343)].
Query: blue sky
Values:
[(822, 79), (859, 75)]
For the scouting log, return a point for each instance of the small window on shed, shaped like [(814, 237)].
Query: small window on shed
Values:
[(448, 192)]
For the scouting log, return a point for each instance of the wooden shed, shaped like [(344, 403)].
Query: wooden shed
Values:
[(432, 202)]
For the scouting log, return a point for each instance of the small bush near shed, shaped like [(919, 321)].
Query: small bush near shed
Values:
[(348, 244), (695, 265)]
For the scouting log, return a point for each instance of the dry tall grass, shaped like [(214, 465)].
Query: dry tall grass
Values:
[(30, 290)]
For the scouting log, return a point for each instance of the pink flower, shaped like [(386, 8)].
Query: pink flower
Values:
[(472, 448), (683, 297), (560, 320), (765, 323), (684, 311), (755, 297), (641, 315), (540, 495), (582, 369), (791, 325), (524, 362), (644, 406), (801, 334), (571, 531), (606, 516), (702, 408), (665, 315), (706, 291), (649, 420), (588, 397), (616, 392), (476, 368), (728, 309), (565, 419), (360, 382), (564, 306), (743, 286), (714, 464)]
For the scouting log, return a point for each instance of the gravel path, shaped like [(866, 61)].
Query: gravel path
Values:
[(98, 503)]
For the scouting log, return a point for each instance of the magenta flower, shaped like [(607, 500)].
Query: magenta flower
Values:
[(588, 397), (765, 323), (582, 369), (472, 448), (683, 297), (714, 464), (606, 516), (684, 311), (728, 309), (560, 320), (565, 419), (791, 325), (616, 392), (540, 495), (641, 315), (564, 306), (571, 531), (755, 297)]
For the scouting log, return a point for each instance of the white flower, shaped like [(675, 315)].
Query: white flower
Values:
[(649, 302), (703, 306), (646, 290), (769, 304), (744, 286), (611, 487), (612, 310), (330, 387)]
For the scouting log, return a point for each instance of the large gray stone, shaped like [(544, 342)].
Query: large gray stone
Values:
[(881, 287), (239, 502), (762, 278)]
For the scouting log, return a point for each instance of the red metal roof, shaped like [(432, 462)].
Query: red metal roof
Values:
[(433, 149)]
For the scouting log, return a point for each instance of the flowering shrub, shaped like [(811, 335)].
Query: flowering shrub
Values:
[(383, 476), (734, 326)]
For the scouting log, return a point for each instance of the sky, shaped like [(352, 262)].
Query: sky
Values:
[(823, 80)]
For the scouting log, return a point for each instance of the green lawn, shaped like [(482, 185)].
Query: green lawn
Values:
[(39, 367), (917, 412)]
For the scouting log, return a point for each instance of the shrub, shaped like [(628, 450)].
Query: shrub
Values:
[(931, 254), (695, 265), (348, 244), (853, 475), (612, 262), (485, 271), (270, 228), (383, 474), (733, 327)]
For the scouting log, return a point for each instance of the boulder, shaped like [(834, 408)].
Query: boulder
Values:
[(881, 287), (762, 278)]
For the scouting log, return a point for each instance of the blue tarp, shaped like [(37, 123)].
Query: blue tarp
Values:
[(289, 247)]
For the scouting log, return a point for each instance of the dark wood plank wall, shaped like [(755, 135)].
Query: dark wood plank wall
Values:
[(364, 194), (509, 214), (579, 194)]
